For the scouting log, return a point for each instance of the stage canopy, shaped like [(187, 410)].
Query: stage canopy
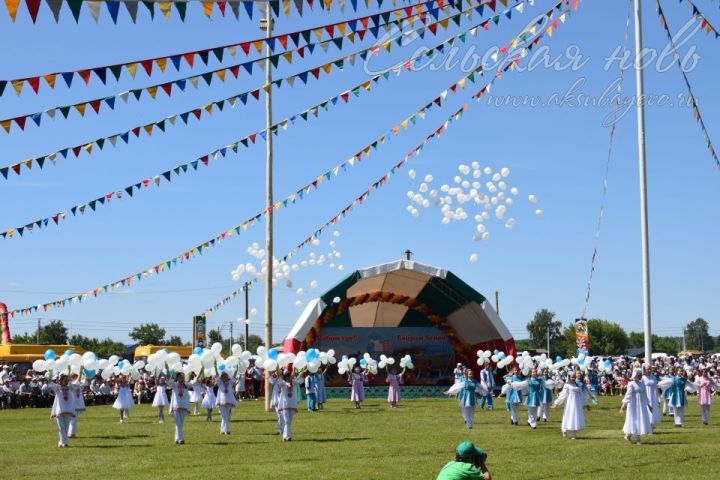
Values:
[(401, 304)]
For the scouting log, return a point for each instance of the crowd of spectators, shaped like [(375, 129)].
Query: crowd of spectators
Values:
[(28, 389)]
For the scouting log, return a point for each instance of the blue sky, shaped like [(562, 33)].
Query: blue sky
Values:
[(555, 152)]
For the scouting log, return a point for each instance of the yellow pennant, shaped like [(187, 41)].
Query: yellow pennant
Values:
[(318, 33), (404, 123), (18, 86), (221, 75), (209, 108), (267, 87), (328, 4), (341, 28), (152, 91), (12, 6), (286, 7), (28, 164), (327, 67), (444, 23), (132, 69), (50, 79), (208, 8), (161, 63), (148, 129), (549, 31), (387, 45), (88, 147), (461, 83), (81, 108), (351, 37), (165, 9), (288, 56), (366, 85), (258, 44)]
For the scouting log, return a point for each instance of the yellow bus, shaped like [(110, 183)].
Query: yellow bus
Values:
[(19, 353), (144, 351)]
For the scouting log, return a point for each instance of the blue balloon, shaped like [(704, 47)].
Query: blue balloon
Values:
[(198, 351), (363, 362), (68, 352), (501, 355), (312, 354), (273, 354), (558, 359), (344, 358), (88, 373), (221, 367), (50, 354), (496, 351)]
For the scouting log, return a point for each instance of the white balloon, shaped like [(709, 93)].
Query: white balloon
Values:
[(298, 303), (39, 365), (473, 258), (487, 170), (336, 300), (411, 174), (496, 177), (336, 234), (253, 312), (539, 213), (532, 198), (216, 347), (486, 236), (270, 364), (504, 171), (510, 223), (477, 174), (514, 190), (428, 178)]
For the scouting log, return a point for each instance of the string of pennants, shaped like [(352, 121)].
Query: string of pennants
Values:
[(221, 74), (413, 153), (247, 141), (192, 253), (305, 76), (693, 102), (165, 7), (702, 19), (277, 44)]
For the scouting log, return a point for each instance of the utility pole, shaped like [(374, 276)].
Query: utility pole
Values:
[(497, 302), (548, 340), (684, 346), (246, 287), (266, 23), (639, 67), (37, 334), (231, 335)]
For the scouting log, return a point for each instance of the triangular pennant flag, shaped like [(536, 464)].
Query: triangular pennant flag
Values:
[(132, 8), (75, 6), (12, 6)]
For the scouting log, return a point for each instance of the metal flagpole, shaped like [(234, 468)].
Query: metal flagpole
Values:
[(643, 181), (267, 24)]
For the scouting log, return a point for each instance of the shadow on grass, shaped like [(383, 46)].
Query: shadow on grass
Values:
[(332, 440), (112, 446), (117, 437), (253, 420)]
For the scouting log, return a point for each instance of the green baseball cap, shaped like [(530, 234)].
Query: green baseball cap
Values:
[(467, 450)]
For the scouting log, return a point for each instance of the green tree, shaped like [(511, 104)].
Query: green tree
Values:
[(667, 345), (54, 333), (101, 348), (213, 336), (148, 334), (542, 324), (697, 335), (606, 338), (23, 339), (254, 342), (636, 339), (176, 340)]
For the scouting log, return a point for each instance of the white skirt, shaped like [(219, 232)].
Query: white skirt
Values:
[(160, 399), (209, 400), (124, 400)]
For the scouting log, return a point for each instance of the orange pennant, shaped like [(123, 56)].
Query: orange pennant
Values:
[(132, 68), (208, 8), (50, 79), (161, 63), (12, 6)]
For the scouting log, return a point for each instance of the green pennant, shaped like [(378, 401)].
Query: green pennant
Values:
[(150, 6), (100, 142), (398, 40), (181, 9), (471, 77), (137, 92), (168, 264), (385, 16), (324, 105), (275, 59), (65, 111), (75, 6), (199, 249), (386, 74), (456, 19), (338, 42), (220, 104), (278, 83), (244, 141), (284, 202), (356, 91), (304, 115), (207, 77), (340, 63), (161, 125), (92, 205), (218, 53), (327, 175), (184, 167), (306, 35), (40, 161), (496, 19), (116, 70), (462, 37)]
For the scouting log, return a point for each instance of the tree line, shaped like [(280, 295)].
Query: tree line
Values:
[(609, 338)]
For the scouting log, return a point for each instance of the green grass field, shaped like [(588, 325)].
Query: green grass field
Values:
[(411, 442)]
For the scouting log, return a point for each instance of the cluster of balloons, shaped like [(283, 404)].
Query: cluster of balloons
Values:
[(493, 198), (310, 360), (87, 364), (283, 271)]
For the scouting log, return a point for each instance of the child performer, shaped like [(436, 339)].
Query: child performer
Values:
[(287, 402), (77, 395), (651, 389), (320, 382), (63, 409), (160, 401), (394, 380), (311, 392), (706, 386), (638, 417), (575, 399), (275, 382), (535, 393), (225, 400), (196, 393), (487, 378), (209, 400), (547, 396), (514, 397), (179, 406), (124, 401), (357, 379), (466, 390), (676, 385)]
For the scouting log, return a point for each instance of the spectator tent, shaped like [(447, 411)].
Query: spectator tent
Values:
[(403, 307)]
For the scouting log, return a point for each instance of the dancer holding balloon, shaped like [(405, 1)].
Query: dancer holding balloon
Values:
[(574, 398), (311, 392), (357, 380), (209, 400), (77, 395), (197, 390), (706, 386), (547, 395), (226, 400), (513, 397), (179, 406), (124, 401), (63, 409), (467, 391), (160, 400), (651, 389), (394, 380), (286, 402), (675, 387)]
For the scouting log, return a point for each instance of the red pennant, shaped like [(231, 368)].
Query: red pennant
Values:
[(245, 48), (330, 29), (33, 7), (146, 182), (433, 28), (108, 196), (198, 113), (147, 65), (190, 59), (85, 75), (256, 94), (167, 88), (315, 72), (361, 34), (16, 168), (235, 71), (55, 218), (345, 96), (252, 137), (283, 39), (76, 151), (408, 11), (136, 131), (453, 88), (491, 4), (364, 22), (205, 160), (35, 81), (221, 7), (485, 25), (301, 52), (21, 122), (95, 104)]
